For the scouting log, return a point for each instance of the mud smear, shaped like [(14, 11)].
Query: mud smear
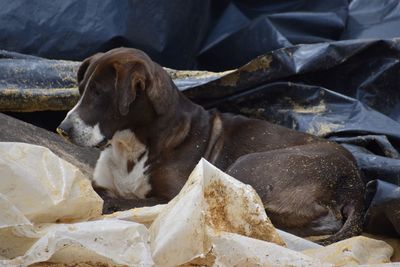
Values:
[(220, 217), (323, 128)]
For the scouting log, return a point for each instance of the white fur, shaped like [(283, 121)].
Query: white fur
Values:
[(111, 170), (102, 175), (84, 134)]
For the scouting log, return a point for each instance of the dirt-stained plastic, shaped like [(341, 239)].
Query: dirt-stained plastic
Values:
[(215, 220)]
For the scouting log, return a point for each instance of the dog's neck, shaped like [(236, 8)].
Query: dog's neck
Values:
[(173, 127)]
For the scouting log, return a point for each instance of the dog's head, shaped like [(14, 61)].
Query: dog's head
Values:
[(120, 89)]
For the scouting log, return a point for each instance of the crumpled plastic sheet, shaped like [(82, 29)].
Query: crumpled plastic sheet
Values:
[(353, 251), (29, 83), (223, 28), (43, 187), (215, 220)]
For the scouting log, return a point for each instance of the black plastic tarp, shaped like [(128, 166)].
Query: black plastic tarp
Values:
[(31, 84), (181, 34), (170, 31)]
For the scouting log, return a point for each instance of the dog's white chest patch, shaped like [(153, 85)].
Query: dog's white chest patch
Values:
[(121, 168)]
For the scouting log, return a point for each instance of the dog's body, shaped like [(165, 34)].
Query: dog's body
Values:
[(309, 186)]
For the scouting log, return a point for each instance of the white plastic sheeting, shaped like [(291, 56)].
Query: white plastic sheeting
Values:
[(49, 212), (354, 251), (44, 187), (37, 190)]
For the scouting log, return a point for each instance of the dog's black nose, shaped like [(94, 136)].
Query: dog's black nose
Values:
[(64, 129)]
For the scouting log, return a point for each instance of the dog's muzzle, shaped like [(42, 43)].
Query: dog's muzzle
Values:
[(64, 130)]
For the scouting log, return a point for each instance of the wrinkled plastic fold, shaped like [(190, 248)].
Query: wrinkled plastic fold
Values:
[(50, 213)]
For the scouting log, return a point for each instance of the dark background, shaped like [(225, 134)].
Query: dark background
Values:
[(182, 34)]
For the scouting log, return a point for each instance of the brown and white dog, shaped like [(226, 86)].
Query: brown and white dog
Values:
[(309, 186)]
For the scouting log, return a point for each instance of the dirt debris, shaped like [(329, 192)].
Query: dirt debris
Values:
[(221, 218), (323, 128)]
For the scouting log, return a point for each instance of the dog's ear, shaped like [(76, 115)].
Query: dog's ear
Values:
[(130, 78), (83, 68)]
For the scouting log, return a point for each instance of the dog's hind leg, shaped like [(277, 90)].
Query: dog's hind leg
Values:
[(352, 226), (353, 206), (308, 190), (348, 192)]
